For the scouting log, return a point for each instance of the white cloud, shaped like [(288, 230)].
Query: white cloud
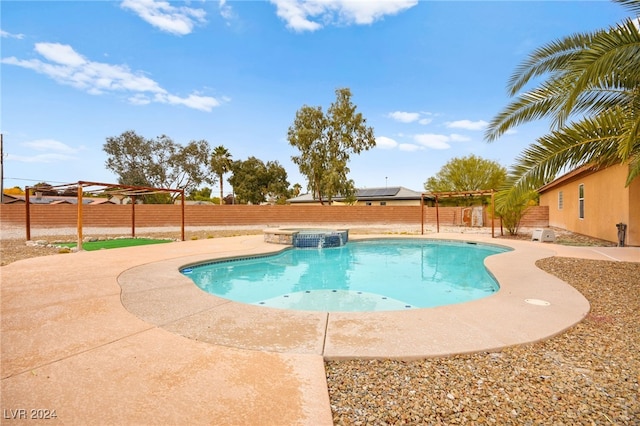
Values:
[(367, 12), (459, 138), (46, 151), (409, 147), (41, 158), (404, 117), (410, 117), (66, 66), (203, 103), (5, 34), (168, 18), (295, 13), (438, 141), (60, 53), (225, 10), (50, 145), (311, 15), (467, 124), (433, 141), (384, 142), (139, 99)]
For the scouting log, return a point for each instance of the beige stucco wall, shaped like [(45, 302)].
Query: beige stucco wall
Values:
[(606, 203), (633, 234)]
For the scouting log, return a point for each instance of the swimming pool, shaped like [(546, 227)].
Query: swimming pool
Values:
[(370, 275)]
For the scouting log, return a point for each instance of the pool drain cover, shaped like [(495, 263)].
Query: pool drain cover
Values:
[(537, 302)]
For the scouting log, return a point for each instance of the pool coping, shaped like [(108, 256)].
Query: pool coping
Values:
[(159, 294)]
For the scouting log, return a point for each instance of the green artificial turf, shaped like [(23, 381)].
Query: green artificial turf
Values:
[(117, 243)]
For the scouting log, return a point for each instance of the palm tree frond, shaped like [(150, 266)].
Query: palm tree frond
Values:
[(634, 169), (632, 5), (529, 106), (587, 73), (550, 58), (590, 141), (609, 62)]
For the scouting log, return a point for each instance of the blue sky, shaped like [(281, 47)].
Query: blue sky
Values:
[(428, 76)]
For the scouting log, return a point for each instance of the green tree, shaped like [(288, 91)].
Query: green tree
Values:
[(16, 190), (326, 142), (202, 194), (512, 213), (159, 162), (277, 183), (589, 86), (221, 161), (469, 173), (44, 188), (254, 181)]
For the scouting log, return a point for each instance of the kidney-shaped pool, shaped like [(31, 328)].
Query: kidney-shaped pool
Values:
[(369, 275)]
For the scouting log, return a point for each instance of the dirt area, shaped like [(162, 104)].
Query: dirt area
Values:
[(12, 250), (13, 245)]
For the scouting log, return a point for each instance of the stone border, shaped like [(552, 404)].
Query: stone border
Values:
[(288, 236), (279, 236)]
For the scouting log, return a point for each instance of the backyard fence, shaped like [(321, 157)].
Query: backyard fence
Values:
[(164, 215)]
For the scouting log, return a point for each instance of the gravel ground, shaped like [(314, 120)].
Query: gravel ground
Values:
[(588, 375)]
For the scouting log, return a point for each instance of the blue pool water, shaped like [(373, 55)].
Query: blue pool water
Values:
[(374, 275)]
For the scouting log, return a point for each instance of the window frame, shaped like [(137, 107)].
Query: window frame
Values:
[(581, 201), (560, 200)]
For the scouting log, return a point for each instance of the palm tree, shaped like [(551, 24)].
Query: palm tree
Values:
[(221, 164), (592, 95), (297, 189)]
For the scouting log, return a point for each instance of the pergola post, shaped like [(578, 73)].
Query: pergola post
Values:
[(133, 216), (422, 214), (493, 214), (27, 212), (79, 220), (182, 220), (437, 216)]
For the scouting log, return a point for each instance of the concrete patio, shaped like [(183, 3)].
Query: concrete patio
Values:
[(121, 337)]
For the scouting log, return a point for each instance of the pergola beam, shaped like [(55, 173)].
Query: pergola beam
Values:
[(458, 194), (127, 190)]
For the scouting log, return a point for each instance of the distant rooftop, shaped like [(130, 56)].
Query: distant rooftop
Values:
[(368, 194)]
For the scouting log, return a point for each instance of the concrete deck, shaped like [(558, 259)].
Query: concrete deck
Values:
[(120, 337)]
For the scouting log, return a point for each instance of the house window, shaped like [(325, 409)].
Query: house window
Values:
[(368, 203), (581, 201), (560, 200), (383, 203)]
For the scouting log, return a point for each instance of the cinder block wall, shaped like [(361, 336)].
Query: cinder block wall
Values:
[(150, 215)]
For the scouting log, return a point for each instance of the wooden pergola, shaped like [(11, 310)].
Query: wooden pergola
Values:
[(83, 187), (437, 195)]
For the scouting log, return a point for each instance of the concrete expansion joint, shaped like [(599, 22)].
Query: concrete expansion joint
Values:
[(73, 355)]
